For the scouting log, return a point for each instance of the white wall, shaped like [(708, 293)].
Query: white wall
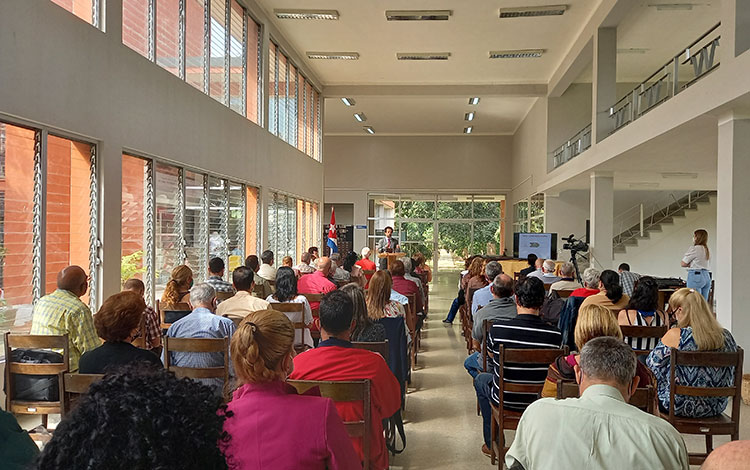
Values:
[(568, 114), (565, 214)]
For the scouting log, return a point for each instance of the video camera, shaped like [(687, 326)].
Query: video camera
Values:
[(575, 245)]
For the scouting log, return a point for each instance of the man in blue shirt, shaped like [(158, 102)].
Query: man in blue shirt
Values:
[(483, 296)]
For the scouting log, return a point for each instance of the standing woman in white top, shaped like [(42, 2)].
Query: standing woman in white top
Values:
[(696, 260)]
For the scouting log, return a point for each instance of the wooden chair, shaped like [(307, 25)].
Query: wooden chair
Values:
[(503, 419), (563, 293), (140, 341), (644, 398), (198, 345), (517, 277), (72, 386), (171, 315), (716, 425), (547, 287), (380, 347), (298, 311), (16, 341), (222, 296), (258, 291), (634, 331), (315, 312), (411, 323), (346, 391)]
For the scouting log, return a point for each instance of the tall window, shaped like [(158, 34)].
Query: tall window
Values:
[(167, 223), (218, 34), (289, 226), (528, 214), (237, 58), (167, 35), (83, 9), (254, 90), (273, 89), (135, 27), (196, 224), (195, 43), (135, 172)]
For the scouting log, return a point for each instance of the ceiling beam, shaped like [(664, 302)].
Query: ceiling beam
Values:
[(510, 90)]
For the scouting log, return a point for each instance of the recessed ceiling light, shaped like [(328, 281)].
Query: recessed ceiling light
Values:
[(474, 101), (672, 6), (333, 55), (525, 12), (633, 50), (469, 116), (300, 14), (517, 54), (418, 15), (423, 55), (679, 175), (369, 129), (360, 117), (467, 130), (349, 101)]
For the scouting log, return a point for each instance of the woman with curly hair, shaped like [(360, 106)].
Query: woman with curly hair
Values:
[(178, 288), (643, 310), (139, 418), (269, 425)]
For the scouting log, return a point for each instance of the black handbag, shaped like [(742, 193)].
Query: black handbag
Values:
[(35, 387)]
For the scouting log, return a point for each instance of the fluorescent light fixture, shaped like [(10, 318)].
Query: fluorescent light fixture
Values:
[(423, 55), (517, 54), (360, 117), (418, 15), (333, 55), (672, 6), (643, 185), (633, 50), (349, 101), (467, 130), (474, 101), (679, 175), (369, 129), (194, 188), (469, 116), (301, 14), (525, 12)]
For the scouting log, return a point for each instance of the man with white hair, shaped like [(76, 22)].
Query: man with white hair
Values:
[(590, 283), (339, 274), (366, 263), (599, 429), (567, 278), (484, 295), (408, 276), (547, 274), (304, 266), (201, 323)]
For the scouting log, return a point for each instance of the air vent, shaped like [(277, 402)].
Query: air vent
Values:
[(306, 14), (418, 15), (423, 55), (360, 117), (467, 130), (333, 55), (517, 54), (525, 12), (368, 129)]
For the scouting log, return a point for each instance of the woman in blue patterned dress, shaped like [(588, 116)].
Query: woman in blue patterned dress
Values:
[(696, 330)]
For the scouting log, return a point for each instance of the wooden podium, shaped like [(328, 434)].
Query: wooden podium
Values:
[(391, 257)]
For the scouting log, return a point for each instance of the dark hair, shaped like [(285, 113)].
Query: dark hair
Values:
[(531, 259), (312, 249), (388, 227), (397, 268), (611, 282), (252, 262), (243, 278), (134, 284), (286, 284), (140, 417), (530, 293), (361, 321), (350, 260), (624, 267), (502, 286), (645, 295), (267, 256), (119, 315), (336, 312), (216, 265)]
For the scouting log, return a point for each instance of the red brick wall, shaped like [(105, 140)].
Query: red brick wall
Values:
[(81, 8), (135, 25), (133, 198)]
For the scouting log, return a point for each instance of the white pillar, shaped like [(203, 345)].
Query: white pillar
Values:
[(729, 263), (602, 219), (604, 87)]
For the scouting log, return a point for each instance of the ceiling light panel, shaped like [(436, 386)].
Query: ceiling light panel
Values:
[(525, 12), (469, 116), (423, 55), (360, 117), (418, 15), (349, 101), (679, 175), (474, 101), (333, 55), (369, 129), (673, 6), (467, 130), (517, 54), (300, 14)]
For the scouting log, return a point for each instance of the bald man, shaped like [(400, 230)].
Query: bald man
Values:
[(317, 282), (62, 312), (730, 456)]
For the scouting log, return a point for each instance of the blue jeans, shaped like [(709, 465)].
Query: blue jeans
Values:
[(700, 280), (473, 364), (483, 387), (453, 311)]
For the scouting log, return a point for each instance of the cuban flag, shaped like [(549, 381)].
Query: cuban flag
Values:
[(332, 238)]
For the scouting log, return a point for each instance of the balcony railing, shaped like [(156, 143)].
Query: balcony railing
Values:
[(573, 147), (690, 65)]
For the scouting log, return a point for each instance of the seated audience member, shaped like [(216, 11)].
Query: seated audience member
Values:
[(531, 259), (593, 321), (178, 287), (201, 323), (627, 278), (567, 280), (643, 310), (63, 313), (139, 418), (355, 271), (317, 282), (696, 330), (336, 359), (610, 293), (421, 266), (484, 295), (547, 274), (304, 266), (253, 263), (16, 447), (216, 276), (339, 274), (266, 270), (404, 286), (243, 302), (365, 329), (379, 303), (313, 250), (287, 261), (590, 283), (366, 263), (409, 276), (461, 298), (525, 331), (730, 456), (286, 292), (118, 323), (474, 279), (152, 341), (265, 415), (501, 307), (599, 429)]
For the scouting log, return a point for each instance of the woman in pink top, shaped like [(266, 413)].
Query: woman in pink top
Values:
[(269, 425)]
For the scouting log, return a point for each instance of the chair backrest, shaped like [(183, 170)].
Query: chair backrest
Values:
[(171, 314), (222, 296), (635, 331), (72, 386), (470, 296), (258, 291), (547, 286), (140, 341), (197, 345), (644, 398), (486, 327), (380, 347), (564, 293), (411, 313), (525, 356), (292, 307), (346, 391)]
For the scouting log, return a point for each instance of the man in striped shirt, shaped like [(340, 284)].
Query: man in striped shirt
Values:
[(526, 331)]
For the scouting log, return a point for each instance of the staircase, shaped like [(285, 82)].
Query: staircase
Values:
[(658, 216)]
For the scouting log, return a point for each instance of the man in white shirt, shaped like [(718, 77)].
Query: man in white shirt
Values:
[(599, 429), (567, 280), (304, 266), (243, 302), (547, 273), (483, 296), (267, 271)]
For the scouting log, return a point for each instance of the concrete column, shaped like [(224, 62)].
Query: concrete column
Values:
[(602, 219), (729, 263), (735, 28), (109, 152), (604, 89)]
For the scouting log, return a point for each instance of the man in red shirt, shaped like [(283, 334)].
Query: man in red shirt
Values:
[(317, 282), (404, 286), (336, 359)]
